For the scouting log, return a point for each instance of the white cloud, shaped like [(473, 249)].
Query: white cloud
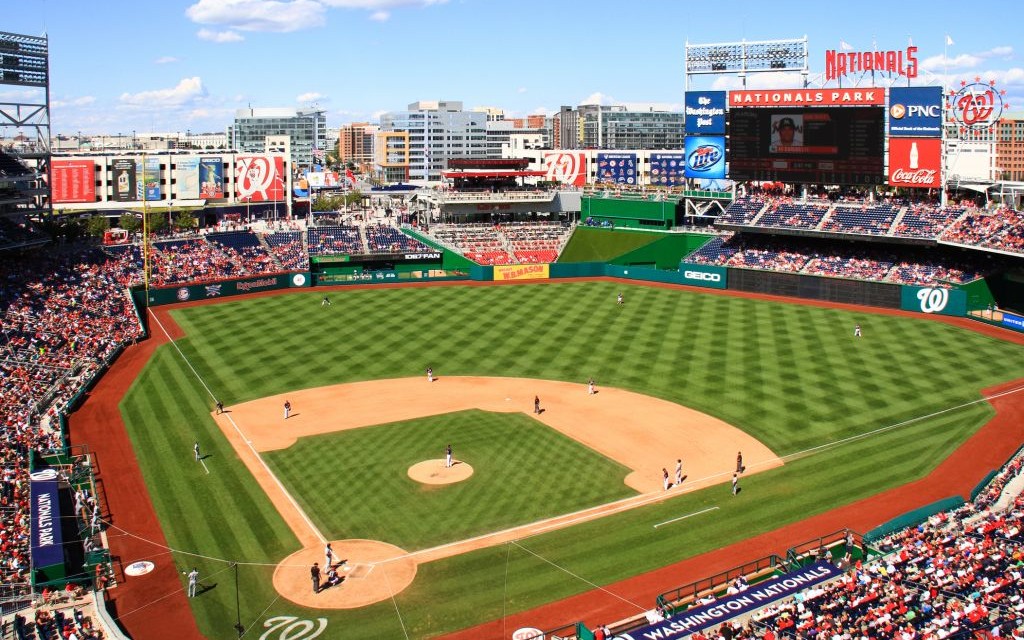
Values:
[(280, 16), (380, 4), (1000, 52), (943, 62), (521, 90), (380, 16), (185, 92), (82, 101), (219, 36), (377, 114), (165, 60), (311, 96), (597, 98)]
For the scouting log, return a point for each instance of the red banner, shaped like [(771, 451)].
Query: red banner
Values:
[(807, 98), (915, 162), (258, 178), (73, 181), (567, 168)]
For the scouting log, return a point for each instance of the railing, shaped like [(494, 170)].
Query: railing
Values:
[(672, 600)]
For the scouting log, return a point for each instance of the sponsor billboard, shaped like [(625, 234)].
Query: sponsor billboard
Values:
[(566, 168), (258, 178), (124, 179), (703, 275), (619, 168), (47, 540), (521, 272), (807, 97), (73, 181), (667, 169), (915, 112), (1013, 321), (946, 302), (147, 183), (705, 112), (705, 157), (915, 162), (211, 178), (186, 175), (757, 596)]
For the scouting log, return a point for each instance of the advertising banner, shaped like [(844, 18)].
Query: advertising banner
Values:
[(211, 178), (705, 112), (73, 181), (946, 302), (124, 179), (258, 178), (915, 112), (705, 157), (619, 168), (807, 97), (1013, 321), (186, 173), (915, 162), (521, 272), (148, 179), (47, 541), (703, 275), (756, 597), (566, 168), (667, 169)]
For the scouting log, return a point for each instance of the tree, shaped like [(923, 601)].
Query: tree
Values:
[(185, 219), (156, 221), (130, 222), (96, 226)]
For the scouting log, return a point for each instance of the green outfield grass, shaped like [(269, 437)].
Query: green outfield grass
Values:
[(340, 478), (592, 244), (790, 375)]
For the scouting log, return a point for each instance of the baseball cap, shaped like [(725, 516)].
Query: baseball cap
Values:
[(787, 122)]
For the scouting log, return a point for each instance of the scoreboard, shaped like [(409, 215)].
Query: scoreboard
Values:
[(818, 145)]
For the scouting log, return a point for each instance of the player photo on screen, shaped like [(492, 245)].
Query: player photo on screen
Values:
[(787, 132)]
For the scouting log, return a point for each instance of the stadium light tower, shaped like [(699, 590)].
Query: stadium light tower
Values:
[(743, 58)]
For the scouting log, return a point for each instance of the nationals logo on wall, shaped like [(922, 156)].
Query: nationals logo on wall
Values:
[(976, 105), (258, 178), (915, 162), (567, 168)]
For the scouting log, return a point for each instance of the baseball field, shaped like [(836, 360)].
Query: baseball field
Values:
[(841, 418)]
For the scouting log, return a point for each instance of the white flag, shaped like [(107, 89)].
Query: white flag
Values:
[(949, 41), (845, 46)]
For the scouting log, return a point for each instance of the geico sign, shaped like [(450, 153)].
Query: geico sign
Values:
[(700, 275)]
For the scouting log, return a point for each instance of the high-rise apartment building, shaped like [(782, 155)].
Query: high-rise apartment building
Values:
[(306, 129)]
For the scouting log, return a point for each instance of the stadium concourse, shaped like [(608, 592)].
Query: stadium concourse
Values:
[(66, 313)]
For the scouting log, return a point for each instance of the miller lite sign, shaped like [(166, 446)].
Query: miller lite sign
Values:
[(915, 163), (566, 168), (705, 157)]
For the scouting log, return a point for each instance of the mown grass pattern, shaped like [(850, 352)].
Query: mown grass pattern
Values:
[(791, 375)]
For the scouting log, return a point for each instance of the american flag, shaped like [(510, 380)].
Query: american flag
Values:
[(318, 153)]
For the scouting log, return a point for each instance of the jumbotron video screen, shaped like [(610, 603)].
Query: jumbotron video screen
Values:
[(825, 145)]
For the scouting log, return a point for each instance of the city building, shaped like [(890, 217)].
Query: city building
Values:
[(356, 145), (307, 129), (437, 132), (531, 132), (1010, 147)]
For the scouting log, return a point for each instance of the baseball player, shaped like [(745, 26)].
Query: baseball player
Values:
[(856, 331), (430, 374), (739, 462), (536, 404), (735, 484), (326, 302), (679, 472), (314, 572), (287, 409), (220, 407), (664, 478), (619, 299), (590, 387), (448, 457), (328, 556), (193, 582), (195, 449)]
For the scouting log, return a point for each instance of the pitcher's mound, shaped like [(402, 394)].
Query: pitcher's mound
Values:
[(434, 472), (372, 572)]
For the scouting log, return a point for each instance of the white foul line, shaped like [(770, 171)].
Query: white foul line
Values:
[(689, 515), (204, 465)]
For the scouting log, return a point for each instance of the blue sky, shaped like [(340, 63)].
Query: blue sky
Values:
[(173, 65)]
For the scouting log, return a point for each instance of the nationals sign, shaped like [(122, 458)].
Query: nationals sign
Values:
[(841, 63), (807, 97), (915, 162), (258, 178), (567, 168)]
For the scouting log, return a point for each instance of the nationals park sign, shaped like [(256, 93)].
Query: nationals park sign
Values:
[(760, 595)]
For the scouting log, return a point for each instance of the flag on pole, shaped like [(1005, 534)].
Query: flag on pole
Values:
[(845, 46), (949, 41), (351, 177)]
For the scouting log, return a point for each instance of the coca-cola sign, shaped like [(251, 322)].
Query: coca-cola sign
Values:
[(915, 162)]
